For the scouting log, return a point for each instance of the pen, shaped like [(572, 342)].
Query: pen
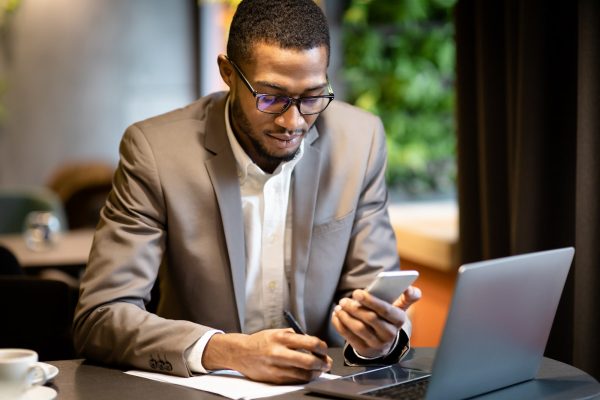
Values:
[(298, 329), (293, 323)]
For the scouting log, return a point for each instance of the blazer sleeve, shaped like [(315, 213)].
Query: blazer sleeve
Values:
[(111, 323), (372, 247)]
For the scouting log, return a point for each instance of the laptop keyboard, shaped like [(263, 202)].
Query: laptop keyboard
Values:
[(414, 390)]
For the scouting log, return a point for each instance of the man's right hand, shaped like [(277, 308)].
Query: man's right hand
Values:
[(275, 355)]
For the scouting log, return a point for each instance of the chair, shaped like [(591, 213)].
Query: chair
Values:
[(16, 203), (37, 314), (9, 265), (83, 188)]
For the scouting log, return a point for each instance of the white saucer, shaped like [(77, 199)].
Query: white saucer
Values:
[(51, 370), (39, 393)]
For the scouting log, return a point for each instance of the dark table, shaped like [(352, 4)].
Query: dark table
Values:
[(79, 379)]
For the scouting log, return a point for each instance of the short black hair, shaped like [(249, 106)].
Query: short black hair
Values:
[(289, 24)]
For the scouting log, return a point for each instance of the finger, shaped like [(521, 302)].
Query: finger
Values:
[(354, 340), (358, 327), (408, 298), (381, 308), (364, 347), (305, 360), (309, 343), (384, 321), (307, 352), (382, 328), (385, 327), (329, 362)]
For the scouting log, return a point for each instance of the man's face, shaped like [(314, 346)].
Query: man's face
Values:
[(270, 139)]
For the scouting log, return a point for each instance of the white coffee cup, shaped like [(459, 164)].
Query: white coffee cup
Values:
[(19, 372)]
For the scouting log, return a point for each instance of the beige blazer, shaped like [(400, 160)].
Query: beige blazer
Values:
[(176, 205)]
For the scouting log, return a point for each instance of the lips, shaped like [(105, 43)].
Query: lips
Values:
[(285, 140)]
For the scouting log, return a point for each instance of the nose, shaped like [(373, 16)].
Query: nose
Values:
[(291, 119)]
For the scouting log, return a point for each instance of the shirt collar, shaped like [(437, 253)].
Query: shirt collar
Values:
[(245, 165)]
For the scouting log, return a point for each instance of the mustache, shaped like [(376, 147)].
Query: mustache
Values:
[(286, 131)]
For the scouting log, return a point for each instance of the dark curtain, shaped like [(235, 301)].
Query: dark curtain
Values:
[(528, 111)]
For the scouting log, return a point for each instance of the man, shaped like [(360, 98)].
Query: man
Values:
[(247, 203)]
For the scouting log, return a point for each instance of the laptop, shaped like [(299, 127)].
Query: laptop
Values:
[(495, 333)]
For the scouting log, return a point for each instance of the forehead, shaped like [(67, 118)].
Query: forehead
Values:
[(271, 63)]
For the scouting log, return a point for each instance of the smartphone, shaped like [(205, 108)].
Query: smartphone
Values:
[(389, 285)]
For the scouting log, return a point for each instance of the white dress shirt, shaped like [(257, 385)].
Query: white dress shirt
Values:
[(265, 199), (267, 231)]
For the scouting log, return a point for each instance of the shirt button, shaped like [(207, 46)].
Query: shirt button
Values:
[(272, 285)]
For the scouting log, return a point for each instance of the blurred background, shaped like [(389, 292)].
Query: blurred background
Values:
[(75, 74)]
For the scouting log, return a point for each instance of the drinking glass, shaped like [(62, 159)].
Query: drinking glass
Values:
[(42, 230)]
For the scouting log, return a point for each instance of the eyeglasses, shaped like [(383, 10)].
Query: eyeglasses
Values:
[(276, 104)]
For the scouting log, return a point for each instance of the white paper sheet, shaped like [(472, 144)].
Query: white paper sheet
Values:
[(226, 383)]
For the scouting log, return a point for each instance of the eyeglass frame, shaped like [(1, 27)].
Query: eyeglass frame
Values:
[(291, 100)]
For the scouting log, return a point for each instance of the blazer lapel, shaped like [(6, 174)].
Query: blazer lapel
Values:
[(223, 174), (304, 198)]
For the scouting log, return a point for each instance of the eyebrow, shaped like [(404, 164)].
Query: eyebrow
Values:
[(284, 89)]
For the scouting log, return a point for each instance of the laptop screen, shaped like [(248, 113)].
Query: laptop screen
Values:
[(495, 334)]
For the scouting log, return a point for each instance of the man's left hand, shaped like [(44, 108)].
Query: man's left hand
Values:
[(370, 324)]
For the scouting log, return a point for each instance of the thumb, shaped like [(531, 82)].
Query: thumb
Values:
[(409, 297)]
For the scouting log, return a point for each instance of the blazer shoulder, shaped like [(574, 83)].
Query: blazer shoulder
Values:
[(350, 114), (343, 122), (196, 112), (342, 117)]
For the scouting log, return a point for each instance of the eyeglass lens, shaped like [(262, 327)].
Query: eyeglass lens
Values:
[(277, 104)]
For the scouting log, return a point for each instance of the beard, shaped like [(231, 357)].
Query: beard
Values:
[(248, 132)]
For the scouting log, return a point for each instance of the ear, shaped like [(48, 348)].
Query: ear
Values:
[(225, 69)]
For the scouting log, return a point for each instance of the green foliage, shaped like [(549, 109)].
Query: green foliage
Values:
[(399, 64)]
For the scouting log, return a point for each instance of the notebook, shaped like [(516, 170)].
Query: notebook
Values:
[(495, 333)]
